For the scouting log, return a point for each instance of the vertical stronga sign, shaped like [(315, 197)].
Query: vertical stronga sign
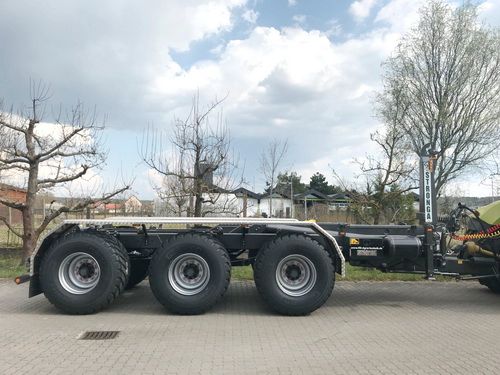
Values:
[(427, 193)]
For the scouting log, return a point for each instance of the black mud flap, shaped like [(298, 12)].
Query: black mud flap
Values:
[(35, 287)]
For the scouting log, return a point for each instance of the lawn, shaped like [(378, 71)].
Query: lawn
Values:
[(371, 274), (242, 273), (8, 239), (352, 274), (10, 268)]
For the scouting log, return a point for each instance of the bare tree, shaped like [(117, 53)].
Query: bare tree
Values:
[(270, 161), (447, 71), (387, 175), (175, 191), (41, 156), (493, 175), (201, 165)]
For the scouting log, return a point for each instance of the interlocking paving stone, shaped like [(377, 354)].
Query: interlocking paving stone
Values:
[(364, 328)]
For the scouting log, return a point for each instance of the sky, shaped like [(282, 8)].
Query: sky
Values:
[(302, 70)]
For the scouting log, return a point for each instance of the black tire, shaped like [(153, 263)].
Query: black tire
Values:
[(138, 271), (189, 256), (118, 244), (112, 263), (301, 260), (492, 283)]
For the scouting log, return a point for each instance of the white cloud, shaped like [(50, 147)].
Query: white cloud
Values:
[(49, 134), (489, 10), (480, 187), (400, 15), (281, 82), (297, 84), (250, 16), (122, 45), (292, 83), (361, 9), (334, 28), (299, 18), (210, 18)]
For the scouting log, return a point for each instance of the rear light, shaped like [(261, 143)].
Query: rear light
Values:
[(22, 279)]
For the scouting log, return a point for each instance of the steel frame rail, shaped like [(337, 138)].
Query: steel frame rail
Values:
[(196, 220)]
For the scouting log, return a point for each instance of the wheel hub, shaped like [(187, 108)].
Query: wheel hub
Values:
[(293, 272), (191, 272), (79, 273), (188, 274), (296, 275)]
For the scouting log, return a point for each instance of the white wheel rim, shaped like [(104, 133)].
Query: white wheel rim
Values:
[(79, 273), (296, 275), (188, 274)]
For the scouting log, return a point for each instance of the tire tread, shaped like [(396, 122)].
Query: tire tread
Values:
[(262, 258), (220, 251), (120, 256)]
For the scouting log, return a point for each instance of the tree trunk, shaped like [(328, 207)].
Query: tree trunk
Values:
[(198, 190), (29, 243), (245, 204), (189, 211), (198, 205), (30, 236)]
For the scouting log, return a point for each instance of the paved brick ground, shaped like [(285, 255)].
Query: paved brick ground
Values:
[(365, 328)]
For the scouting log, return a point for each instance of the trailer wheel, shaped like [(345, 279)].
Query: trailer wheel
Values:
[(294, 274), (138, 271), (190, 274), (116, 243), (492, 283), (83, 273)]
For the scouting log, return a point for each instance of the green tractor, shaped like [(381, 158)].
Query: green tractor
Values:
[(478, 232)]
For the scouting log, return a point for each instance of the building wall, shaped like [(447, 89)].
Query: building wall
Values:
[(133, 205), (227, 205), (230, 204), (252, 207), (16, 196), (281, 207)]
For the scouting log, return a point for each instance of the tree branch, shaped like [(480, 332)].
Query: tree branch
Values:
[(10, 227), (50, 182), (15, 205), (75, 208)]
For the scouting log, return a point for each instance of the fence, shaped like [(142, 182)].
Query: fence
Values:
[(8, 238)]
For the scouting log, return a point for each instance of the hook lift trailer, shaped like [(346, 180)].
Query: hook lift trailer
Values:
[(83, 265)]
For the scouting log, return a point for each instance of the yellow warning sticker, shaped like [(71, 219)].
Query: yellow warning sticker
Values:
[(354, 241)]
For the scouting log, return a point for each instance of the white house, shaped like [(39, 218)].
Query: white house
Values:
[(281, 205), (240, 202), (133, 205), (247, 202)]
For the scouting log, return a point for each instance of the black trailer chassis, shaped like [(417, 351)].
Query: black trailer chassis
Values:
[(83, 265)]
